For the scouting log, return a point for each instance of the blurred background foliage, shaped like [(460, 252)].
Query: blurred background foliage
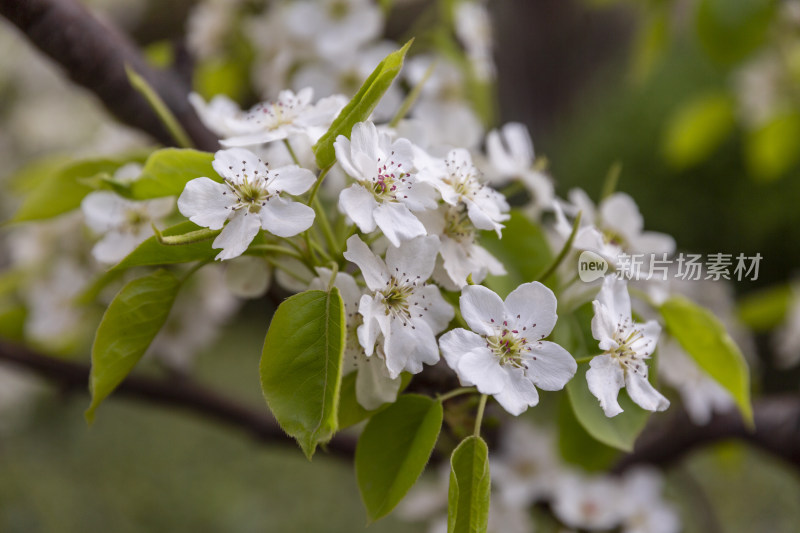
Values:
[(654, 85)]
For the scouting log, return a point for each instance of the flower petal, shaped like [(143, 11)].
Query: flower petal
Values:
[(519, 393), (482, 309), (233, 162), (457, 342), (413, 259), (285, 218), (374, 385), (237, 235), (532, 306), (643, 393), (372, 267), (397, 222), (358, 203), (291, 179), (407, 347), (551, 366), (206, 202), (480, 367), (605, 378)]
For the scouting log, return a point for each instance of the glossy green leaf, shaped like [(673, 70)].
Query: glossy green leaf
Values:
[(152, 252), (361, 106), (350, 411), (63, 190), (577, 446), (523, 250), (301, 366), (698, 128), (705, 339), (470, 486), (129, 325), (766, 309), (167, 171), (393, 450), (771, 150)]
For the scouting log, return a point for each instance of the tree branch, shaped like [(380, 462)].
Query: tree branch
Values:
[(777, 430), (183, 394), (94, 55)]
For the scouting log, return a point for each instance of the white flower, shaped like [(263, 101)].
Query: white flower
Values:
[(627, 347), (248, 277), (505, 355), (473, 27), (336, 27), (374, 385), (701, 394), (456, 178), (249, 199), (123, 223), (587, 502), (386, 191), (527, 466), (641, 505), (290, 114), (461, 256), (53, 318), (511, 155), (406, 311)]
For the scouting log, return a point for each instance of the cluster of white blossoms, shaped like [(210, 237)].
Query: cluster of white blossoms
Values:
[(528, 470)]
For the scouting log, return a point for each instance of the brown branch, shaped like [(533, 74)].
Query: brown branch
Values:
[(777, 430), (183, 394), (94, 55)]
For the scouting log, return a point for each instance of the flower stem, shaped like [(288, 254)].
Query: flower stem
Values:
[(456, 392), (479, 416), (564, 251), (322, 174), (325, 224), (164, 114), (412, 96), (288, 146)]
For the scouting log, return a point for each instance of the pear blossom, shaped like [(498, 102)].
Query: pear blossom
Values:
[(583, 502), (123, 223), (642, 507), (248, 277), (461, 255), (249, 199), (456, 179), (505, 354), (374, 385), (403, 308), (473, 27), (511, 155), (627, 345), (386, 191), (289, 115)]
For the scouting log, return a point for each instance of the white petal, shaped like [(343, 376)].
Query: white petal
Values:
[(457, 342), (230, 163), (480, 367), (291, 180), (206, 202), (519, 393), (435, 310), (114, 246), (614, 295), (482, 309), (104, 210), (285, 218), (237, 235), (603, 326), (370, 308), (408, 348), (552, 367), (605, 378), (374, 385), (649, 331), (652, 242), (358, 203), (413, 259), (620, 212), (532, 306), (248, 277), (372, 267), (397, 222), (643, 393), (364, 139), (343, 151)]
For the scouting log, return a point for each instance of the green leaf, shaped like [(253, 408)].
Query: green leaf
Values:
[(771, 150), (350, 411), (301, 366), (361, 106), (393, 450), (64, 189), (698, 128), (12, 321), (167, 171), (470, 485), (764, 310), (730, 30), (523, 250), (704, 338), (579, 448), (152, 252), (129, 325)]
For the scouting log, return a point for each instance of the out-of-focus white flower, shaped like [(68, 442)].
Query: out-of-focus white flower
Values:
[(336, 27), (627, 345), (53, 318), (403, 308), (527, 466), (374, 385), (505, 355), (511, 156), (461, 255), (249, 200), (456, 179), (473, 27), (217, 114), (248, 277), (642, 506), (587, 502), (701, 394), (386, 190), (208, 25)]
